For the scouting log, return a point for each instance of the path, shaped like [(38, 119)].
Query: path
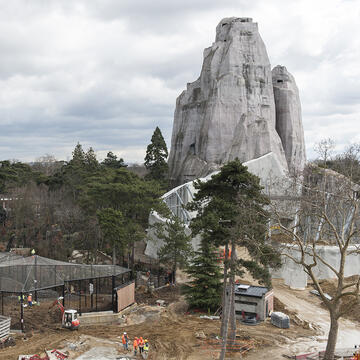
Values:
[(308, 308)]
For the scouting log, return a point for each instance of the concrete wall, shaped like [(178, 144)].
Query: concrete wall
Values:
[(294, 275)]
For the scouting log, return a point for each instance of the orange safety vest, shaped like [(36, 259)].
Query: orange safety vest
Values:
[(135, 344), (29, 298), (141, 342), (123, 338)]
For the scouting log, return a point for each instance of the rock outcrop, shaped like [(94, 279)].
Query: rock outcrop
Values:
[(288, 118), (229, 111)]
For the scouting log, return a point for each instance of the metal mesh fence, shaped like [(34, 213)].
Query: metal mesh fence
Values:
[(18, 274)]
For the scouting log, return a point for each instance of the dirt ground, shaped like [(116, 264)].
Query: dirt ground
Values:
[(172, 333), (352, 311), (41, 317)]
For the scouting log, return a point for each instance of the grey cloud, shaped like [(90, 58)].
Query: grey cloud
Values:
[(106, 72)]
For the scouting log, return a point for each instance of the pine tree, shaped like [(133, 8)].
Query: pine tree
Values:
[(177, 244), (204, 289), (155, 158), (78, 154), (112, 161), (91, 160), (231, 212), (111, 222)]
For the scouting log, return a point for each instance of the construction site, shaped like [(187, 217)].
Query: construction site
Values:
[(291, 225), (161, 316)]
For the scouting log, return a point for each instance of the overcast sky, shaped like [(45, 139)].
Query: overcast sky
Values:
[(107, 72)]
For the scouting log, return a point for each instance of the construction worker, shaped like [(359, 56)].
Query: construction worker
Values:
[(29, 300), (141, 345), (135, 345), (125, 341), (146, 346)]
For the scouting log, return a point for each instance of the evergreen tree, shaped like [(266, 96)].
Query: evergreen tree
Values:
[(155, 158), (126, 192), (204, 289), (15, 174), (90, 159), (177, 245), (78, 154), (231, 212), (112, 227), (112, 161)]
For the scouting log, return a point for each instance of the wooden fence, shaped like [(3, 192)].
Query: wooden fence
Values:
[(125, 296)]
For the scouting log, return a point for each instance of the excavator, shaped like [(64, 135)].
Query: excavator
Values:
[(69, 319)]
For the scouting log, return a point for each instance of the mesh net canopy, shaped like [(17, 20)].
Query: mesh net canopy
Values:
[(25, 274)]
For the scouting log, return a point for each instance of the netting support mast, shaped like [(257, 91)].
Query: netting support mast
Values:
[(113, 293), (22, 311), (80, 297), (35, 278)]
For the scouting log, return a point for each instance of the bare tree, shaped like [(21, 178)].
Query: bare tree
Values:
[(331, 201), (325, 148)]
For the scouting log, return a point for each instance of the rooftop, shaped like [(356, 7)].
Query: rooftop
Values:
[(249, 290)]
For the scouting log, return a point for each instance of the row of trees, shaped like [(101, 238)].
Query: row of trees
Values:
[(57, 206)]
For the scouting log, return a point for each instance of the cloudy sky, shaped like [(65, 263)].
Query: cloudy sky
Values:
[(107, 72)]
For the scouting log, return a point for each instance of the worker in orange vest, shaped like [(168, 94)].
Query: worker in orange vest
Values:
[(141, 345), (29, 299), (135, 345), (125, 341)]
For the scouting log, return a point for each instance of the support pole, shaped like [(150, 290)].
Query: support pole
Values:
[(21, 312), (80, 297), (35, 280), (96, 296), (92, 294), (113, 293), (63, 295), (2, 303)]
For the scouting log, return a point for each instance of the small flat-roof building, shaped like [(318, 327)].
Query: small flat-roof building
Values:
[(253, 301)]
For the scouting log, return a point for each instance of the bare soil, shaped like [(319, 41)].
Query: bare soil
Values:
[(348, 305), (172, 335)]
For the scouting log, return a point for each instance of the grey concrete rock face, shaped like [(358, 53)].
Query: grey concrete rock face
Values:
[(288, 118), (229, 111)]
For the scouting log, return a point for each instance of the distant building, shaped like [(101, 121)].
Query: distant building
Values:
[(253, 302)]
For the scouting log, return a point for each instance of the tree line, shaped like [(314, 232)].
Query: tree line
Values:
[(59, 206)]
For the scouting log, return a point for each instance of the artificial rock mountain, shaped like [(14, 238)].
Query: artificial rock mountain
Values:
[(238, 107)]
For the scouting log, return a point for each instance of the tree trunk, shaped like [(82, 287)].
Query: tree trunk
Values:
[(232, 335), (114, 255), (133, 257), (332, 337), (223, 299), (174, 274), (226, 316)]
